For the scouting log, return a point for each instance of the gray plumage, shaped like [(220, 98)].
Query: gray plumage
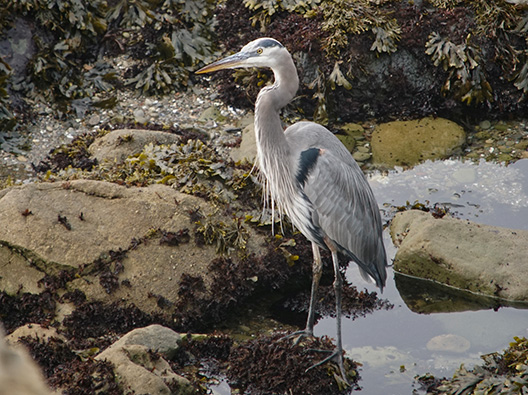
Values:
[(312, 178)]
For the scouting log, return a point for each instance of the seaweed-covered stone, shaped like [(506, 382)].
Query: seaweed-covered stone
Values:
[(110, 242), (479, 258)]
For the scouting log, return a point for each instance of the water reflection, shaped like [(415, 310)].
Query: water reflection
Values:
[(425, 297)]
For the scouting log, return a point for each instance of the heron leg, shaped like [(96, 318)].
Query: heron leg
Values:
[(338, 287), (337, 355), (317, 271)]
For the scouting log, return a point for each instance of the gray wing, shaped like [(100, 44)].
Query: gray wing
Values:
[(347, 212), (344, 205)]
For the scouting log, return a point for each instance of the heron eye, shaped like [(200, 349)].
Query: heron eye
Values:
[(259, 51)]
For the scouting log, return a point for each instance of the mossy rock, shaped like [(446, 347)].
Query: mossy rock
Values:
[(348, 141), (406, 143), (481, 259)]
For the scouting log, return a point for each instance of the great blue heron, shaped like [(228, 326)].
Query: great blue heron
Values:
[(312, 178)]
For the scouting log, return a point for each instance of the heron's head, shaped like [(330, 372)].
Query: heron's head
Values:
[(263, 52)]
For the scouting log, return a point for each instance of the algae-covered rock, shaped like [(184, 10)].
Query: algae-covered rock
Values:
[(479, 258), (406, 143)]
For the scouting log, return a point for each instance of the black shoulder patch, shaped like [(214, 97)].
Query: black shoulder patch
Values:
[(307, 161)]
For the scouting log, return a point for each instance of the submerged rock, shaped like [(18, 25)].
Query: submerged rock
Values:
[(406, 143), (448, 343), (479, 258)]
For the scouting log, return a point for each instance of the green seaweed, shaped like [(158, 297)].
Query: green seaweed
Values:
[(505, 373), (227, 236), (7, 119)]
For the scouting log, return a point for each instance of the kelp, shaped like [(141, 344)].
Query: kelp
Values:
[(466, 79), (75, 40), (471, 53)]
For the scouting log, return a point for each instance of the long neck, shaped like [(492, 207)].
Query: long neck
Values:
[(272, 148), (268, 126)]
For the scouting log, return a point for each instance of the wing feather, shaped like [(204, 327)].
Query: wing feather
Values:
[(347, 212)]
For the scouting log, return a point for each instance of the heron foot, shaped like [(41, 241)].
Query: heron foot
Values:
[(337, 357), (299, 335)]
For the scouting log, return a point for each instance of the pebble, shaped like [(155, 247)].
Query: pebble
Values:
[(94, 120), (139, 116), (361, 156), (485, 125)]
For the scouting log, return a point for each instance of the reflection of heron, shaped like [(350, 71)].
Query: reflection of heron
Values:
[(313, 178)]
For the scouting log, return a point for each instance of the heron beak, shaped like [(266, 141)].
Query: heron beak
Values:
[(231, 62)]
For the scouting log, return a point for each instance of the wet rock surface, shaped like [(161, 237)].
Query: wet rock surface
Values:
[(478, 258)]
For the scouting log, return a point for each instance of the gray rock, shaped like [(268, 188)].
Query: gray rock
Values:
[(485, 125), (140, 116), (479, 258), (154, 337), (402, 143), (17, 273), (211, 114), (138, 371), (361, 156), (248, 147), (113, 216), (120, 144)]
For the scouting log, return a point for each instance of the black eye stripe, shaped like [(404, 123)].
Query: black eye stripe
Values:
[(270, 43)]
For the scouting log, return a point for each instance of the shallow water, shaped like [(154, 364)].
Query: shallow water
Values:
[(393, 345)]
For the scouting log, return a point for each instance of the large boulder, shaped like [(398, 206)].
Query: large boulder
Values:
[(479, 258), (120, 144), (83, 225), (406, 143)]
